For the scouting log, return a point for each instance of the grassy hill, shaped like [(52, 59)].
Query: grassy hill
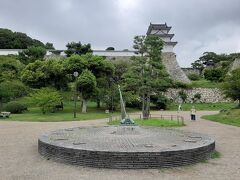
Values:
[(231, 117)]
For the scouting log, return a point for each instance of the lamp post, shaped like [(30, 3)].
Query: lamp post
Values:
[(111, 81), (75, 74)]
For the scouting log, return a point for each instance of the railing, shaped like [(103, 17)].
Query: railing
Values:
[(179, 119)]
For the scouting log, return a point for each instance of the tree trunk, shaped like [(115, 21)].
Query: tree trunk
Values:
[(1, 104), (146, 106), (143, 106), (84, 105), (98, 103)]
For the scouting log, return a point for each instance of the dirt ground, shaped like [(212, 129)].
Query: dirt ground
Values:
[(19, 158)]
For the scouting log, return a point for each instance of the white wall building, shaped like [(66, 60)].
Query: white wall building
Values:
[(161, 30)]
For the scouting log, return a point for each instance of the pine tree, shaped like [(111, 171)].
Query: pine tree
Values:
[(147, 75)]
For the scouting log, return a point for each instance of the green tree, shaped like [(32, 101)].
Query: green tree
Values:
[(46, 99), (121, 67), (77, 48), (16, 40), (101, 68), (161, 101), (110, 49), (75, 63), (231, 85), (10, 90), (86, 85), (107, 86), (10, 68), (49, 46), (183, 96), (32, 54), (207, 58), (222, 61), (215, 74), (194, 77), (197, 97), (45, 73), (147, 75)]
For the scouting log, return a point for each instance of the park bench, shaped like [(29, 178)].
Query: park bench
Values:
[(5, 114)]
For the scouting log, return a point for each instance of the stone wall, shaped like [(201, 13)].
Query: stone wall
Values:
[(208, 95), (125, 160), (173, 68), (234, 65), (170, 62), (188, 71)]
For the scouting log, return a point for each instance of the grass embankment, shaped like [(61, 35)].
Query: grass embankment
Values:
[(35, 115), (203, 83), (231, 117), (152, 122), (203, 106)]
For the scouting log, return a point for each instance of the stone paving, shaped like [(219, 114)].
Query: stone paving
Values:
[(19, 159)]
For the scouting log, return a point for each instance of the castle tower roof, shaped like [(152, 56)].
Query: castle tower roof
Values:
[(158, 27), (162, 30)]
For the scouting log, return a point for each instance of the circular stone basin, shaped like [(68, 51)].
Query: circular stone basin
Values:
[(125, 147)]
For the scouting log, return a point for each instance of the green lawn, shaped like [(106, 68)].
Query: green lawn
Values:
[(203, 106), (152, 122), (231, 117), (203, 83), (35, 115)]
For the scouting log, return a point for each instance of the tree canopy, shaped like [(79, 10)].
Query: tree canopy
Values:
[(231, 85), (17, 40), (77, 48), (110, 49), (213, 59), (147, 74), (10, 68), (86, 85), (46, 99), (32, 54), (45, 73)]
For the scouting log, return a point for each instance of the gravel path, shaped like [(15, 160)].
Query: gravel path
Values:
[(19, 159)]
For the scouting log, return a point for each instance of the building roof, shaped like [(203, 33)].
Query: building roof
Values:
[(165, 35), (158, 27), (170, 43)]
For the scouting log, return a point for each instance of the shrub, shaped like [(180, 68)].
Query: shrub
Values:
[(161, 101), (214, 74), (46, 99), (12, 90), (15, 107), (178, 84), (231, 86), (194, 77), (183, 96), (131, 99), (197, 96)]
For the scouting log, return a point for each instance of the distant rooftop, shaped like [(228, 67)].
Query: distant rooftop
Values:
[(158, 27)]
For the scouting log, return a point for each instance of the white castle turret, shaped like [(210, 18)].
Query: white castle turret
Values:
[(168, 55), (162, 30)]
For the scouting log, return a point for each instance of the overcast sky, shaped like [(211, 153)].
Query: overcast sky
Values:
[(198, 25)]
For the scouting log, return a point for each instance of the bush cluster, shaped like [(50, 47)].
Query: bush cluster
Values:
[(15, 107), (194, 77), (215, 75)]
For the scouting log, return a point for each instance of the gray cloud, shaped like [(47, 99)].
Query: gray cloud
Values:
[(199, 26)]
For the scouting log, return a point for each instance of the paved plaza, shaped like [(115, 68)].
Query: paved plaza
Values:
[(19, 158)]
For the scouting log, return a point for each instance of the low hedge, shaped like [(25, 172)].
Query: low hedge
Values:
[(15, 107)]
